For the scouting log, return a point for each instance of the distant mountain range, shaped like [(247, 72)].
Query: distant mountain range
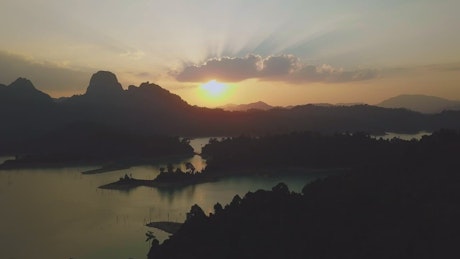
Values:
[(106, 123), (30, 116), (421, 103), (265, 107), (418, 103), (245, 107)]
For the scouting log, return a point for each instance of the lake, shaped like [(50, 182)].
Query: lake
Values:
[(391, 135), (60, 213)]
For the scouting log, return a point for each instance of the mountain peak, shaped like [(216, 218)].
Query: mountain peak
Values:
[(104, 83), (420, 103), (259, 105), (23, 89), (22, 84)]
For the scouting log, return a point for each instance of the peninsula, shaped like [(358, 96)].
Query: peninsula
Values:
[(166, 179)]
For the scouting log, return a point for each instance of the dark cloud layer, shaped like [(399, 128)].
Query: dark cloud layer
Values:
[(225, 69), (286, 68), (47, 77)]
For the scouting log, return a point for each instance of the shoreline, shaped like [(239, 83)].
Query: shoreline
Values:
[(131, 183), (104, 165), (106, 169), (166, 226)]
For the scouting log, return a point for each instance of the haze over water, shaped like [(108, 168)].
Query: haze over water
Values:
[(60, 213)]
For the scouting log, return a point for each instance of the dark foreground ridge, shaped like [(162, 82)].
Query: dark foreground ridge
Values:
[(366, 214), (404, 209)]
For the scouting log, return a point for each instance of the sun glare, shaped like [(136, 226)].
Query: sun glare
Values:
[(215, 93), (214, 88)]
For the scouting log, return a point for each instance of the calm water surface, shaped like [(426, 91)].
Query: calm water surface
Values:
[(60, 213), (391, 135)]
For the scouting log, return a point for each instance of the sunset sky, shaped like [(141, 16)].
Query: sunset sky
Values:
[(281, 52)]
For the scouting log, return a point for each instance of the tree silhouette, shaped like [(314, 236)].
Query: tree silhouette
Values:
[(155, 244), (196, 212), (405, 206), (281, 188), (190, 167), (218, 208), (236, 201), (151, 237), (170, 168)]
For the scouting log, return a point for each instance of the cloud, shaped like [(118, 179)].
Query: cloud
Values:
[(329, 74), (144, 74), (54, 79), (134, 55), (445, 67), (225, 69), (276, 66), (287, 68)]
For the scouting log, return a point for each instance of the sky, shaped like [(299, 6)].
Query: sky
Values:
[(283, 52)]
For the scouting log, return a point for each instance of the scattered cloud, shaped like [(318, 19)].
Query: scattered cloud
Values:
[(329, 74), (144, 74), (287, 68), (445, 67), (414, 70), (134, 55)]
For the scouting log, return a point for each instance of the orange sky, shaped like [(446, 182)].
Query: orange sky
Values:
[(281, 52)]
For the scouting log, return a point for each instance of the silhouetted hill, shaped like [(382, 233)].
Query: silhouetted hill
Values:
[(375, 213), (145, 109), (91, 143), (149, 109), (315, 150), (250, 106), (421, 103), (23, 92), (24, 111), (104, 84), (316, 118), (405, 209), (349, 104), (38, 130)]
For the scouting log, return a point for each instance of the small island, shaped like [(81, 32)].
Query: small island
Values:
[(295, 153), (172, 177)]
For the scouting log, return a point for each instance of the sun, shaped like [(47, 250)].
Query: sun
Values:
[(214, 93), (214, 88)]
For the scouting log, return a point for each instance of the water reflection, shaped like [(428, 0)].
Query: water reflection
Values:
[(198, 143), (60, 213), (4, 158), (171, 194), (391, 135), (64, 213)]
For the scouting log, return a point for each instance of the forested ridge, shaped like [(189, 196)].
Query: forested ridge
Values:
[(402, 209), (316, 150)]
